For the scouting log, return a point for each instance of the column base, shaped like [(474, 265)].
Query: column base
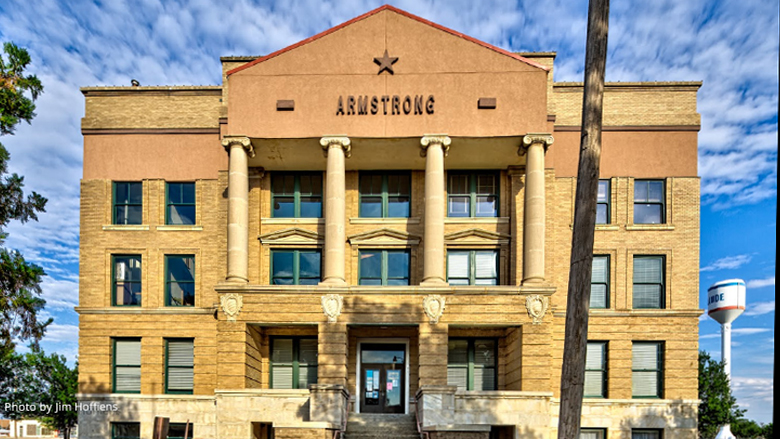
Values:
[(434, 282), (333, 282), (534, 281), (236, 280)]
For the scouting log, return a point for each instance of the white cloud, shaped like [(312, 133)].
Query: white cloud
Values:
[(760, 308), (59, 333), (752, 392), (761, 283), (728, 263), (737, 332)]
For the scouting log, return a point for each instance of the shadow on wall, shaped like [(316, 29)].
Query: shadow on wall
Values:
[(677, 415)]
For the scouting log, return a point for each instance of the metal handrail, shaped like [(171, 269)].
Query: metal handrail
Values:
[(339, 434), (423, 434)]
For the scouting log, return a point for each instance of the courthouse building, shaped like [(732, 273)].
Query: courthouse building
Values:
[(374, 224)]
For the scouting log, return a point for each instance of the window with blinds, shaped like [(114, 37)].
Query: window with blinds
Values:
[(293, 362), (127, 365), (649, 282), (593, 433), (645, 434), (180, 365), (599, 282), (471, 364), (647, 370), (596, 370), (472, 267)]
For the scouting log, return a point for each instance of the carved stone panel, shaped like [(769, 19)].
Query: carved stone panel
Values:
[(331, 306), (537, 307), (433, 305), (231, 305)]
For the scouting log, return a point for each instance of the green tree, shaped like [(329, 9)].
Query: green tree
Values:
[(718, 405), (20, 289)]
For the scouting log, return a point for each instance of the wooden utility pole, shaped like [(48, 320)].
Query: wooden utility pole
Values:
[(578, 302)]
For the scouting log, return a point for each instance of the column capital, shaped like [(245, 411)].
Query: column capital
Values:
[(546, 139), (229, 141), (440, 139), (342, 142)]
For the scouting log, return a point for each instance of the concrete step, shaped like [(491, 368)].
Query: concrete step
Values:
[(381, 426)]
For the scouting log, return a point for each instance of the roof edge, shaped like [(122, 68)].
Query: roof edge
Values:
[(398, 11), (659, 84)]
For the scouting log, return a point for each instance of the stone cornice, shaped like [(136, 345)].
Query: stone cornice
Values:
[(342, 142), (430, 139)]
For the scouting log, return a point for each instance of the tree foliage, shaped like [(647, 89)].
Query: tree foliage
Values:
[(39, 386), (20, 291), (749, 429), (718, 405)]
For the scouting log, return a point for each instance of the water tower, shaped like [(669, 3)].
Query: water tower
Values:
[(725, 302)]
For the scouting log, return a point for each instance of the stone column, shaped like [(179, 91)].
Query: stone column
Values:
[(240, 149), (434, 149), (433, 344), (534, 146), (337, 148), (332, 354)]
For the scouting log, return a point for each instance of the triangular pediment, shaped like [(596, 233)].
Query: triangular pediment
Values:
[(383, 237), (476, 236), (421, 46), (291, 236)]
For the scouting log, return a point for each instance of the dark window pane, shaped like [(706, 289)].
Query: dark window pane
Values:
[(126, 430), (486, 185), (181, 294), (180, 269), (283, 281), (284, 207), (364, 281), (647, 213), (655, 191), (129, 214), (176, 431), (283, 264), (181, 215), (135, 193), (311, 207), (640, 191), (127, 293), (283, 184), (371, 264), (458, 185), (398, 207), (457, 352), (308, 281), (309, 265), (121, 193), (398, 282), (397, 264), (175, 193), (485, 352), (371, 207)]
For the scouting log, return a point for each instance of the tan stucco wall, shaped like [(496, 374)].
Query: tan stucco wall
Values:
[(172, 157)]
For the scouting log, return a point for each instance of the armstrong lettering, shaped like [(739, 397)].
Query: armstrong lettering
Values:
[(385, 105)]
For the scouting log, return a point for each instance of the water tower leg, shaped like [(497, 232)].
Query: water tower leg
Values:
[(725, 349)]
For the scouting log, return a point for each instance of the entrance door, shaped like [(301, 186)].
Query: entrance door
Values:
[(382, 370)]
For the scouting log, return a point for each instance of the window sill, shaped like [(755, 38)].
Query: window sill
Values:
[(649, 227), (126, 228), (176, 228), (607, 227), (478, 220), (407, 221), (292, 220)]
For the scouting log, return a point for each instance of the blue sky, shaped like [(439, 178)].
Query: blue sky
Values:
[(730, 45)]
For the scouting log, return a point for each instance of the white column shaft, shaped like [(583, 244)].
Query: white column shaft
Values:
[(238, 214), (335, 216), (534, 215), (433, 257)]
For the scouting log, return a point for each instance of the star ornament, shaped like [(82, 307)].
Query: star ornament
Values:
[(385, 63)]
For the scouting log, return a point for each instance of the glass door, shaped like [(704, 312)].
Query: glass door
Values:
[(382, 372)]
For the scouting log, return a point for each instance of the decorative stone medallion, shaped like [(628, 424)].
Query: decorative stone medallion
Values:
[(231, 305), (537, 307), (433, 305), (331, 306)]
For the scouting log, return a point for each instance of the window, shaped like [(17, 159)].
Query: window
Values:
[(593, 433), (384, 267), (385, 195), (125, 430), (471, 364), (646, 434), (472, 195), (649, 202), (180, 204), (180, 280), (179, 365), (296, 195), (293, 362), (176, 430), (295, 267), (649, 282), (602, 203), (472, 267), (126, 288), (127, 365), (599, 282), (596, 370), (128, 203), (647, 370)]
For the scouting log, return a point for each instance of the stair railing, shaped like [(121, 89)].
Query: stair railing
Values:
[(423, 434), (339, 434)]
